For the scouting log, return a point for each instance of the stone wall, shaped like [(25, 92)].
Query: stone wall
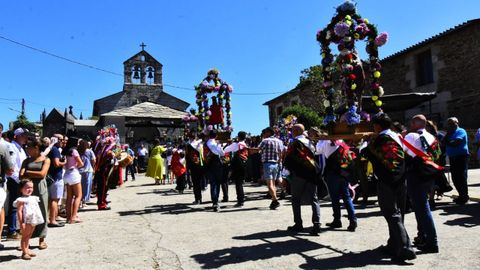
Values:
[(455, 71)]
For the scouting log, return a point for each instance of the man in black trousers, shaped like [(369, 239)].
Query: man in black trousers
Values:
[(385, 152), (195, 165)]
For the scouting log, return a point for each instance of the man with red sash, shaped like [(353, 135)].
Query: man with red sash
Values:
[(194, 158), (300, 162), (213, 153), (239, 165), (421, 145), (387, 156)]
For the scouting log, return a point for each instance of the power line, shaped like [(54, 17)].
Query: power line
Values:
[(115, 73)]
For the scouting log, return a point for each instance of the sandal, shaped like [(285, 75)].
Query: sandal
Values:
[(75, 221), (32, 254), (42, 245), (26, 256)]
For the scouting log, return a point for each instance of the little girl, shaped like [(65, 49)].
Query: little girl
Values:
[(29, 215)]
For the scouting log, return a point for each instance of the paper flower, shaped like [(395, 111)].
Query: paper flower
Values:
[(341, 29), (381, 39)]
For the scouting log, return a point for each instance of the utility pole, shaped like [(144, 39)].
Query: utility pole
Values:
[(23, 106)]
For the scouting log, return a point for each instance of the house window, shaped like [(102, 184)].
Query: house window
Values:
[(424, 68)]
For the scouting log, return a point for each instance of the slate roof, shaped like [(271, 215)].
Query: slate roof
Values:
[(147, 110), (86, 123), (433, 38)]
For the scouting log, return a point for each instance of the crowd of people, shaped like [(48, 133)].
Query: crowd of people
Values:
[(45, 181), (407, 165)]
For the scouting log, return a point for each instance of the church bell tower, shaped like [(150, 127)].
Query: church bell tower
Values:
[(142, 71)]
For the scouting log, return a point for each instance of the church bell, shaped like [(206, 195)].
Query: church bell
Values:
[(150, 72), (136, 73)]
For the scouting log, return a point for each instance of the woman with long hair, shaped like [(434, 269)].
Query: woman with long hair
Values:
[(74, 182), (35, 168)]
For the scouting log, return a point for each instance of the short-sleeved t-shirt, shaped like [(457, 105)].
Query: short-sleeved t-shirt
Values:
[(87, 161), (462, 148), (55, 172), (72, 159), (6, 159)]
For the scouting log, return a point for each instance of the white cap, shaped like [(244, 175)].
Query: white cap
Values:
[(19, 131)]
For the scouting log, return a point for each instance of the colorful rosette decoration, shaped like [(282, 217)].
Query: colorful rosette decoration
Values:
[(345, 28), (221, 103)]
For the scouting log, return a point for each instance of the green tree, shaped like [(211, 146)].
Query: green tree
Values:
[(311, 75), (306, 116), (23, 122)]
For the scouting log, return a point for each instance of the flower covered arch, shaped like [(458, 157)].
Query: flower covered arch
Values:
[(212, 116), (346, 28)]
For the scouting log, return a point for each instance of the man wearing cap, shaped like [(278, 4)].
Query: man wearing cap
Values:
[(13, 183), (456, 141), (6, 169)]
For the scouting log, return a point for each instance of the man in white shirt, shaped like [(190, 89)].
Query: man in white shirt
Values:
[(6, 169), (214, 167), (239, 165), (418, 187), (13, 183), (142, 154), (338, 184)]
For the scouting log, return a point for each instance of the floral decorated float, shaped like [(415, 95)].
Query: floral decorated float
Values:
[(355, 76), (216, 115)]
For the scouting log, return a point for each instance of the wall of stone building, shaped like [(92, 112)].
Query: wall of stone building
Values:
[(306, 96), (455, 71)]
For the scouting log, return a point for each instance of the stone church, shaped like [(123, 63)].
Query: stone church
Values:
[(142, 111)]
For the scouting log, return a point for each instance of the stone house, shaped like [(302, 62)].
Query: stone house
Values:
[(437, 77)]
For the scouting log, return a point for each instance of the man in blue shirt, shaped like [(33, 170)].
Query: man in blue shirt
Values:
[(456, 142)]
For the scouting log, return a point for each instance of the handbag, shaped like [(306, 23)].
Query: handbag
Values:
[(422, 164), (50, 180)]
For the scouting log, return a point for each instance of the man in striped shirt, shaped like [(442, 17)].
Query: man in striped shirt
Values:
[(271, 149)]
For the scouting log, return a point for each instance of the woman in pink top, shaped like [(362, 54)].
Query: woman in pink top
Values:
[(74, 186)]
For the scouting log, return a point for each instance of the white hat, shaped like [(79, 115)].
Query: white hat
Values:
[(19, 131)]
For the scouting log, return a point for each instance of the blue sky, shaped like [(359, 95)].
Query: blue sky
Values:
[(259, 46)]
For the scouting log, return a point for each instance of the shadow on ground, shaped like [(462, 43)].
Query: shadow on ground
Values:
[(470, 211), (293, 245)]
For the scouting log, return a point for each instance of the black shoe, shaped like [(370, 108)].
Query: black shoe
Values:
[(225, 200), (295, 228), (216, 208), (418, 241), (239, 204), (424, 249), (274, 205), (315, 230), (55, 225), (461, 200), (334, 224), (282, 195), (406, 255), (352, 226)]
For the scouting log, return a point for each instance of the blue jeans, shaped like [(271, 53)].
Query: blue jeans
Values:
[(338, 188), (86, 186), (215, 175), (418, 189), (13, 193)]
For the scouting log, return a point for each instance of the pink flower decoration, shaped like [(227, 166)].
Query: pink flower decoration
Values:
[(209, 113), (210, 127), (381, 39), (341, 29)]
